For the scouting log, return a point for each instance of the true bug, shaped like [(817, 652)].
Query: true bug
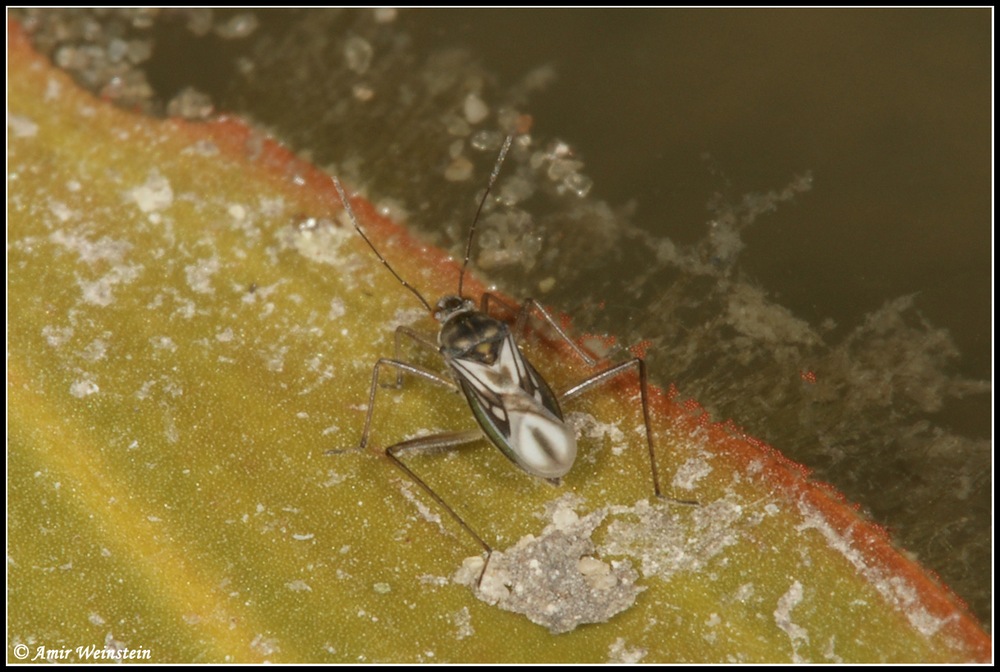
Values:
[(515, 407)]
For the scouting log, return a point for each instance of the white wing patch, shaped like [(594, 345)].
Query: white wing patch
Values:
[(540, 443)]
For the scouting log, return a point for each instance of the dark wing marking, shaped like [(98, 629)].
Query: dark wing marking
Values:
[(487, 386)]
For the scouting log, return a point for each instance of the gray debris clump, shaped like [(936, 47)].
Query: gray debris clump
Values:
[(555, 579)]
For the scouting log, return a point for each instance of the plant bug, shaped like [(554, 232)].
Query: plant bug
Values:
[(515, 407)]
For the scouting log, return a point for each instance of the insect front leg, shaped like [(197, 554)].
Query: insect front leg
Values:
[(400, 367), (415, 336), (614, 372)]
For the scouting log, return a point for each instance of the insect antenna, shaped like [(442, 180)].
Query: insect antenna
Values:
[(472, 231), (357, 227)]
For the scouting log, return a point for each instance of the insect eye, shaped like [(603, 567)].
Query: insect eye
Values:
[(449, 305)]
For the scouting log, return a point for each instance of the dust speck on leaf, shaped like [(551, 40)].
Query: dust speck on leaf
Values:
[(154, 195)]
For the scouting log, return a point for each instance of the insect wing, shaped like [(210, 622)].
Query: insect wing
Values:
[(518, 411)]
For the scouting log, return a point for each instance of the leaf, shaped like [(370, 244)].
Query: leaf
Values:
[(192, 325)]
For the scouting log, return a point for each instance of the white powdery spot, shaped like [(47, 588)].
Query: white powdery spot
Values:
[(56, 336), (896, 590), (619, 653), (61, 211), (690, 472), (671, 538), (100, 292), (319, 240), (163, 343), (21, 126), (261, 294), (337, 309), (53, 89), (154, 195), (425, 512), (96, 351), (591, 428), (92, 251), (830, 651), (463, 623), (237, 212), (555, 579), (271, 207), (406, 317), (597, 573), (199, 275), (783, 619), (266, 646), (83, 388), (562, 511), (298, 586), (274, 358)]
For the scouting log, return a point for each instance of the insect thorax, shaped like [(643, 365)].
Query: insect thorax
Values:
[(471, 335)]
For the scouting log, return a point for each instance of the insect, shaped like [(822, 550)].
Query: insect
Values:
[(515, 407)]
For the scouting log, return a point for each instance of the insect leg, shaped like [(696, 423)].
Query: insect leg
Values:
[(400, 366), (613, 372), (529, 306), (445, 440), (416, 337)]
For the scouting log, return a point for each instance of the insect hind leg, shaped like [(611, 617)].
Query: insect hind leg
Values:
[(531, 306), (437, 441), (613, 372)]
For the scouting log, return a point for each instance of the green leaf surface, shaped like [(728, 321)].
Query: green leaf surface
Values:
[(192, 324)]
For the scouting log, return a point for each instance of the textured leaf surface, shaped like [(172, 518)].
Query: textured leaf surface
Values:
[(191, 327)]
